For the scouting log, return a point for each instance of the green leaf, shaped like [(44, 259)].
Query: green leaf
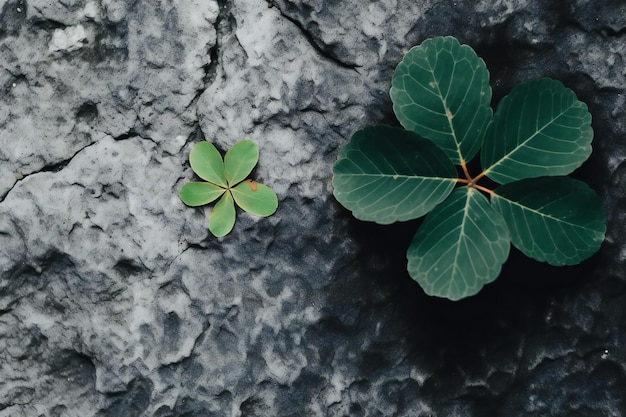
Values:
[(440, 90), (255, 198), (460, 247), (222, 217), (558, 220), (387, 174), (240, 160), (199, 193), (539, 129), (207, 163)]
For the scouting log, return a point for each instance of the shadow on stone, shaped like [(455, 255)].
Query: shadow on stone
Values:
[(513, 304)]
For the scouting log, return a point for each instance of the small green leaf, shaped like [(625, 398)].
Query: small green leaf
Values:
[(440, 90), (386, 174), (558, 220), (207, 163), (460, 247), (199, 193), (222, 217), (240, 160), (255, 198), (539, 129)]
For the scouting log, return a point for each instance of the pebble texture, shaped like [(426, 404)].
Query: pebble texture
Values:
[(116, 301)]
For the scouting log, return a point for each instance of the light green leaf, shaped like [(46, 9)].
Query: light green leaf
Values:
[(388, 174), (255, 198), (207, 163), (558, 220), (199, 193), (440, 90), (222, 217), (460, 247), (539, 129), (240, 160)]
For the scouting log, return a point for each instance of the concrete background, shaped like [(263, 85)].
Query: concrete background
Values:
[(116, 301)]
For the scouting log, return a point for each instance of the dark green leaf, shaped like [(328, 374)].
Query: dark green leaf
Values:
[(558, 220), (441, 91), (199, 193), (255, 198), (387, 174), (207, 163), (539, 129), (222, 217), (460, 247), (240, 160)]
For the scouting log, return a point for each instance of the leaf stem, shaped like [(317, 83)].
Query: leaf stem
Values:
[(465, 170), (481, 188), (471, 183), (478, 177)]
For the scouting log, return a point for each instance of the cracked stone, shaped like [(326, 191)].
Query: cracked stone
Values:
[(116, 301)]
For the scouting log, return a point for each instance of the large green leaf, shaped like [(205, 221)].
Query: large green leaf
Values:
[(199, 193), (539, 129), (240, 160), (440, 90), (387, 174), (207, 163), (255, 198), (222, 217), (558, 220), (460, 247)]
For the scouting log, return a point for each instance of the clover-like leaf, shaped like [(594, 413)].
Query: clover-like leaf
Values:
[(207, 163), (200, 193), (539, 133), (460, 247), (440, 90), (226, 179), (240, 160), (386, 174), (539, 129), (558, 220), (222, 217), (255, 198)]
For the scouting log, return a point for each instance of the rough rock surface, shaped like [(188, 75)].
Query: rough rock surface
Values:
[(115, 300)]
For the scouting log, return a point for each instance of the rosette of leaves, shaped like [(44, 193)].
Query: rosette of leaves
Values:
[(539, 134), (226, 181)]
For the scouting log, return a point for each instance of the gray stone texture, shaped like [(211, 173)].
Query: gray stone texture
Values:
[(116, 301)]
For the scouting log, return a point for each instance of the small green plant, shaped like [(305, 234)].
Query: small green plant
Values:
[(226, 178), (539, 133)]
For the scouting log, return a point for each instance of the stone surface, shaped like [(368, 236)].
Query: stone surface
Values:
[(116, 301)]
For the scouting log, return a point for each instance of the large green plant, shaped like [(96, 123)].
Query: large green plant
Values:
[(539, 133), (225, 179)]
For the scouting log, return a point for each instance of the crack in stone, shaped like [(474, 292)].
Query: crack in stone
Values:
[(48, 24), (224, 23), (318, 45), (51, 167), (132, 133)]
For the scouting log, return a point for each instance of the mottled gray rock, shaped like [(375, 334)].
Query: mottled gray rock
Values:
[(116, 301)]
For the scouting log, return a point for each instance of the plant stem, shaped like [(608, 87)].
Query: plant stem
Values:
[(478, 177), (465, 170), (471, 183), (481, 188)]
